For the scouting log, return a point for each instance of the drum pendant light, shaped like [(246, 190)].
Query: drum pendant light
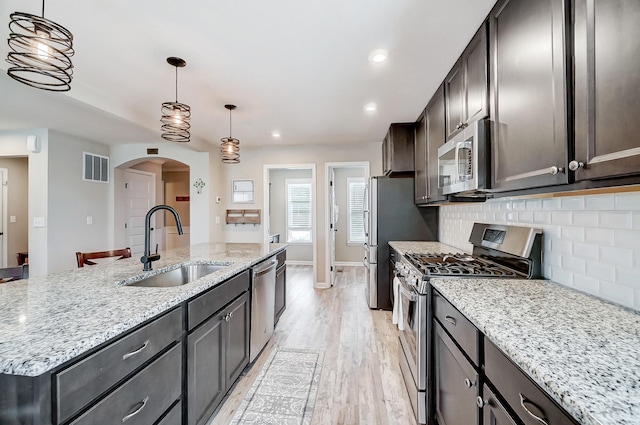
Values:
[(230, 147), (40, 52), (176, 117)]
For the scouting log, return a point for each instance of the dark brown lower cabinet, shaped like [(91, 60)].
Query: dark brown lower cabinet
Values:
[(493, 413), (218, 351), (456, 383)]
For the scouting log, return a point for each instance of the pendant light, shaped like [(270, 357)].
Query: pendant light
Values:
[(40, 52), (176, 117), (230, 147)]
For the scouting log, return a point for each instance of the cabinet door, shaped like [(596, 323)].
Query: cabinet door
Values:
[(237, 316), (476, 101), (281, 292), (607, 94), (435, 138), (493, 413), (529, 138), (420, 161), (206, 375), (456, 383), (454, 89)]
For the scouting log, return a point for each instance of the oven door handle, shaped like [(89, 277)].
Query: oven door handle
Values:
[(410, 294)]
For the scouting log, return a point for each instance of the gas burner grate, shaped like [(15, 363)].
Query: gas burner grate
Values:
[(449, 264)]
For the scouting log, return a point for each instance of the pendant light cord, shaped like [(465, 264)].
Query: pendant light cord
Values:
[(43, 8), (230, 124), (176, 84)]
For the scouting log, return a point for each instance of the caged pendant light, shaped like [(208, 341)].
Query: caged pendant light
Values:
[(230, 147), (40, 52), (176, 117)]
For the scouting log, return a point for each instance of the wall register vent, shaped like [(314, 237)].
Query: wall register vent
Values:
[(95, 168)]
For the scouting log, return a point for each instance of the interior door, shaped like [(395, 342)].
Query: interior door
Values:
[(333, 223), (140, 197), (3, 236)]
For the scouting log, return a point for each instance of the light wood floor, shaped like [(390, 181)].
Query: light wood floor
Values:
[(361, 381)]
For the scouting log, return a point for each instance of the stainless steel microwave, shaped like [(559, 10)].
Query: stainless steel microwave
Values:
[(463, 162)]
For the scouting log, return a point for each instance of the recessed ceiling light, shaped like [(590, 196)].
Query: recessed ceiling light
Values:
[(275, 134), (378, 56), (370, 107)]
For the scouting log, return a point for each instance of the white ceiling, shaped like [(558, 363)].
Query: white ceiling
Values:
[(299, 67)]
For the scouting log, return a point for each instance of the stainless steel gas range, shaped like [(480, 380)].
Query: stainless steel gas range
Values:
[(499, 251)]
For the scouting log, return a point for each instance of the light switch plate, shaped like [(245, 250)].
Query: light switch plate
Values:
[(38, 221), (89, 219), (217, 219), (12, 218), (218, 199)]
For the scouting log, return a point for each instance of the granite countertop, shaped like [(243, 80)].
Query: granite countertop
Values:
[(583, 351), (416, 247), (46, 321)]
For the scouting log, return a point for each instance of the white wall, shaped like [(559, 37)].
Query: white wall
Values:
[(591, 242), (252, 164), (72, 200), (278, 213)]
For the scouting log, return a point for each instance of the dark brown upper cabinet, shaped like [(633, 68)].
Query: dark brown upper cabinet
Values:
[(430, 135), (397, 150), (466, 86), (528, 70), (607, 89)]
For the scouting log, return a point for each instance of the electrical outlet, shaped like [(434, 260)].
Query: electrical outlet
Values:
[(217, 219), (89, 219), (12, 218), (218, 199)]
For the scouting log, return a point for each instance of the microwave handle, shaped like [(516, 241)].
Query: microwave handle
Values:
[(461, 145)]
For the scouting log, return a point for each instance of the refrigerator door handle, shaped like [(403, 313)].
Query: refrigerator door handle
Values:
[(365, 263)]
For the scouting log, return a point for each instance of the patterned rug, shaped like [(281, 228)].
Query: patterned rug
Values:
[(285, 390)]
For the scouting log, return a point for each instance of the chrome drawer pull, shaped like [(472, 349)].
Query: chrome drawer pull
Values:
[(135, 412), (450, 319), (524, 400), (134, 352)]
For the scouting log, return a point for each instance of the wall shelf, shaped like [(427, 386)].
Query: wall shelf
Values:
[(243, 217)]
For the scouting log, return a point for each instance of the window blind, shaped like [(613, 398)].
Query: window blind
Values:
[(356, 207), (299, 214)]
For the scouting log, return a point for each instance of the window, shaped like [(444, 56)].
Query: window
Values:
[(299, 211), (355, 200)]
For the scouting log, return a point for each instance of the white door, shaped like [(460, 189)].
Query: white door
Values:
[(3, 235), (139, 198), (333, 225)]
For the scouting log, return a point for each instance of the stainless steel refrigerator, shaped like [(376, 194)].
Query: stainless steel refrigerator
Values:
[(391, 215)]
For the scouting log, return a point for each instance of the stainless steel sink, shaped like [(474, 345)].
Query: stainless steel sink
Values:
[(180, 276)]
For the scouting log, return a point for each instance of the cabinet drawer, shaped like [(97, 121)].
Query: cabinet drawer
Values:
[(142, 399), (461, 329), (281, 257), (208, 303), (174, 416), (82, 382), (493, 413), (523, 395)]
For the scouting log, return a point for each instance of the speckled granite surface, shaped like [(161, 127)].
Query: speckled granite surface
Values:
[(46, 321), (422, 247), (583, 351)]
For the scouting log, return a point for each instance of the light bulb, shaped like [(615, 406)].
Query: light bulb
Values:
[(229, 148), (43, 50), (177, 119)]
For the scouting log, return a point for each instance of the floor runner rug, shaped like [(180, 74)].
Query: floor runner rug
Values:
[(284, 393)]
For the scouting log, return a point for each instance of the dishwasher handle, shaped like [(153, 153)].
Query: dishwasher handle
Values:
[(265, 268)]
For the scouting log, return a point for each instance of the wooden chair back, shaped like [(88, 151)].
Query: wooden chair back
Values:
[(86, 257), (13, 273)]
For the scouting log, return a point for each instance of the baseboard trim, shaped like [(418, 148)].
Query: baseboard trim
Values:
[(348, 263), (299, 263), (321, 285)]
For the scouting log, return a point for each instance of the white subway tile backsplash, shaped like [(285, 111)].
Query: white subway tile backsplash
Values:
[(591, 243), (571, 203), (615, 219), (599, 236), (616, 256), (561, 218), (587, 251), (627, 201), (573, 264), (585, 218), (573, 233), (600, 202), (587, 284)]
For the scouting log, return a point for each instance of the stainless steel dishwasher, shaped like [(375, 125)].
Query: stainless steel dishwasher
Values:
[(263, 296)]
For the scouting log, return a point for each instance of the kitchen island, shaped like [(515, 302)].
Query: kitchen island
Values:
[(582, 351), (48, 322)]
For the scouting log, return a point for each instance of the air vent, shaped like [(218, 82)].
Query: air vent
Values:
[(95, 168)]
